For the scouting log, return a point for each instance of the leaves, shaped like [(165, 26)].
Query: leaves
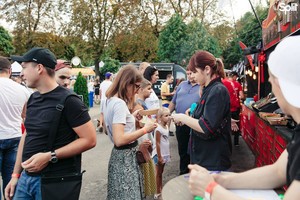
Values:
[(80, 88), (6, 47)]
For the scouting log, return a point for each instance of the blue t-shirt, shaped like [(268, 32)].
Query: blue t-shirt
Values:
[(185, 95)]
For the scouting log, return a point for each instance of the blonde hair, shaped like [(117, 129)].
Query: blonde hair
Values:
[(145, 83), (161, 111)]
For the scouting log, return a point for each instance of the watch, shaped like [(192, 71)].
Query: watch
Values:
[(53, 158)]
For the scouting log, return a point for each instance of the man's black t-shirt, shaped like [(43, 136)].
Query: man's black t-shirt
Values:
[(41, 110), (293, 148)]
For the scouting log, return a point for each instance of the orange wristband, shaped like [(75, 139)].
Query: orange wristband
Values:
[(209, 189), (15, 175), (145, 130)]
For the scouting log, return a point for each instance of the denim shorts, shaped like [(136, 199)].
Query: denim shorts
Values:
[(155, 159)]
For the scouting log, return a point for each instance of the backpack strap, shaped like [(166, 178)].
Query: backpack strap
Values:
[(58, 113)]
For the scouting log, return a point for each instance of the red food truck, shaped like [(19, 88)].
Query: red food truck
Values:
[(263, 126)]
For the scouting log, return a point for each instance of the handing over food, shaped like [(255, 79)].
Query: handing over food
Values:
[(178, 118)]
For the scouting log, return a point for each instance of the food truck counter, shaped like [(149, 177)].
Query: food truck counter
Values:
[(266, 141)]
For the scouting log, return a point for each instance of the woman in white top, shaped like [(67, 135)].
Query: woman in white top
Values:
[(151, 74), (124, 174)]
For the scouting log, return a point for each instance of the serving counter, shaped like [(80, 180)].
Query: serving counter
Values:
[(266, 141)]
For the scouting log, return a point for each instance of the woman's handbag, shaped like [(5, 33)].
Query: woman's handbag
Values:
[(61, 187), (140, 157)]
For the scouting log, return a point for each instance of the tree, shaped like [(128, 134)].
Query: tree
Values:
[(139, 44), (31, 16), (6, 47), (96, 21), (249, 32), (80, 88), (171, 40), (110, 65), (223, 33), (197, 38)]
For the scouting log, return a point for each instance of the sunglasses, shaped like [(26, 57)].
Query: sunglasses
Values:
[(137, 86)]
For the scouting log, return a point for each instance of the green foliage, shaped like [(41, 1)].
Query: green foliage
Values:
[(110, 65), (248, 27), (136, 45), (249, 33), (233, 54), (81, 88), (6, 47), (171, 40), (197, 38)]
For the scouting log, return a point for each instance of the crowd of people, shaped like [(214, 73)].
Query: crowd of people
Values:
[(205, 109)]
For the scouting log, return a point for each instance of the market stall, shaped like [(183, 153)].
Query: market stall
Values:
[(264, 127)]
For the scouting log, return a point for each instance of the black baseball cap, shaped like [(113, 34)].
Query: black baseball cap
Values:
[(39, 55)]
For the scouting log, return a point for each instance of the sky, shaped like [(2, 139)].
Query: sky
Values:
[(239, 7)]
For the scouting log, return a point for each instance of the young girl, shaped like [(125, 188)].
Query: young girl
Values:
[(161, 150)]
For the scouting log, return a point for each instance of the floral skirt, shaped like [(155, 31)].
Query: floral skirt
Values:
[(125, 180)]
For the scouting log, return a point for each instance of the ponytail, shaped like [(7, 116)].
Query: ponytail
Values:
[(219, 68)]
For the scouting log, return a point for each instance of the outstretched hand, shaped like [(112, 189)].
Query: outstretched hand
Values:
[(199, 180), (178, 119), (234, 125)]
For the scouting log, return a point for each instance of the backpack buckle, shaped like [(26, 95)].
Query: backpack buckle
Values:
[(59, 107)]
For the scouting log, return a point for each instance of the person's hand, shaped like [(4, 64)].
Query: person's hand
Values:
[(137, 115), (199, 180), (150, 126), (234, 126), (178, 118), (187, 112), (147, 143), (10, 188), (37, 162), (160, 160)]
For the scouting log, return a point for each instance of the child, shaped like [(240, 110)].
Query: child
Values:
[(161, 150), (146, 141)]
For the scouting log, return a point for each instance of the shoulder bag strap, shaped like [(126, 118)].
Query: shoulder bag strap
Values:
[(54, 128)]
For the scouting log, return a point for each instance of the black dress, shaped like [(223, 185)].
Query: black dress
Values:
[(97, 87)]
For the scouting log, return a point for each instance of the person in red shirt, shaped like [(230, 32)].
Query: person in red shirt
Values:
[(235, 106)]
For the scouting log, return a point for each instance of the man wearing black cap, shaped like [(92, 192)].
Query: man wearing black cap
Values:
[(33, 155), (13, 97)]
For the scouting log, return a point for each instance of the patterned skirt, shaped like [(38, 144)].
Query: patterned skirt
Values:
[(125, 180), (149, 178)]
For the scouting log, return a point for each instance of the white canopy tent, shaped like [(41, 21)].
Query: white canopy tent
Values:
[(16, 67)]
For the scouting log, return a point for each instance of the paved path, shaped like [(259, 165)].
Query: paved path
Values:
[(95, 162)]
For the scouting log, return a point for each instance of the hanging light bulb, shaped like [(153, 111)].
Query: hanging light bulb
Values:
[(254, 76), (256, 68), (250, 73)]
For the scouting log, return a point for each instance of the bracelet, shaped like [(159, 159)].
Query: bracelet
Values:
[(144, 130), (209, 189), (15, 175)]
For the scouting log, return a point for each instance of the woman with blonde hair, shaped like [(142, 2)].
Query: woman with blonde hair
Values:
[(124, 175)]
